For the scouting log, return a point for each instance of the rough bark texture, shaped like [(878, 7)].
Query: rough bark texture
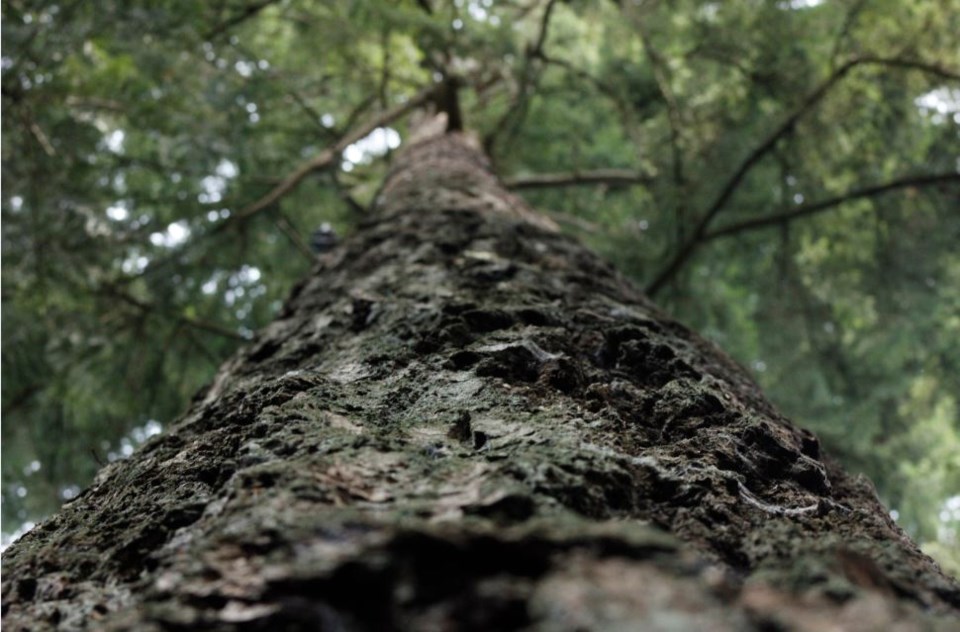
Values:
[(464, 420)]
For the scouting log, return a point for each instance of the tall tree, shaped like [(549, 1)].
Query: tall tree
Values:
[(464, 420), (781, 174)]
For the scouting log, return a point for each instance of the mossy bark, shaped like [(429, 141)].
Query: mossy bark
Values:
[(465, 420)]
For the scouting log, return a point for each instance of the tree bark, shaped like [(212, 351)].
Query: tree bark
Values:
[(465, 420)]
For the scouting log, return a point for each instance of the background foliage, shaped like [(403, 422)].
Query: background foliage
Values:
[(786, 182)]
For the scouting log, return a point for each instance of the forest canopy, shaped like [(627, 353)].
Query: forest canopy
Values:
[(780, 175)]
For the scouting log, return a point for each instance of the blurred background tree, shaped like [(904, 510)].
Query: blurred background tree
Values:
[(782, 175)]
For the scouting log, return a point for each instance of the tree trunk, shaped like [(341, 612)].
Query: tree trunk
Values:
[(465, 420)]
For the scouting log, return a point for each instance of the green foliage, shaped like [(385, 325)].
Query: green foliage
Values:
[(135, 132)]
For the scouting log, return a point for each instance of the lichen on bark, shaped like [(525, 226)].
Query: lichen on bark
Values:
[(465, 420)]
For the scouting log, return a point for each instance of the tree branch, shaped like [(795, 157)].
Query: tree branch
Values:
[(849, 20), (327, 157), (249, 11), (606, 89), (818, 207), (312, 114), (616, 99), (38, 135), (674, 118), (577, 222), (322, 161), (909, 64), (289, 230), (196, 323), (22, 396), (612, 177), (770, 141), (529, 77), (537, 48)]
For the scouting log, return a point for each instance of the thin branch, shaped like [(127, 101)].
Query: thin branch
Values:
[(200, 344), (910, 64), (577, 222), (327, 157), (626, 111), (824, 205), (22, 396), (537, 49), (312, 114), (358, 111), (674, 118), (38, 135), (717, 55), (25, 45), (768, 143), (288, 229), (787, 125), (151, 308), (849, 21), (249, 11), (771, 140), (385, 65), (95, 103), (529, 77), (606, 89), (612, 177)]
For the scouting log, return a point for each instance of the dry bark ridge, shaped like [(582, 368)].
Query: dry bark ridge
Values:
[(465, 420)]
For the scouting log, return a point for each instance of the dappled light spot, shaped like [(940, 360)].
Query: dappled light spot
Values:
[(135, 263), (117, 212), (799, 4), (114, 141), (175, 234), (377, 143), (939, 104), (69, 492), (244, 68)]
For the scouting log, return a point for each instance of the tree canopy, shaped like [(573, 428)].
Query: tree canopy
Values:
[(781, 175)]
